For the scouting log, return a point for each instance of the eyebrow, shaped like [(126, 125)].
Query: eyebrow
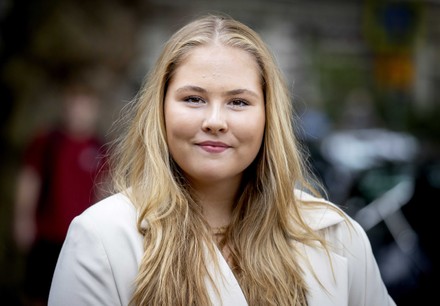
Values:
[(233, 92), (191, 88)]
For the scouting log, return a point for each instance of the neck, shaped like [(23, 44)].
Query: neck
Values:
[(217, 201)]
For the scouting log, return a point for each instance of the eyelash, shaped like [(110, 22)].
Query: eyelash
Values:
[(236, 103), (193, 100), (241, 102)]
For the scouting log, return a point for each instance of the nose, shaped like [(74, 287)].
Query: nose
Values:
[(215, 120)]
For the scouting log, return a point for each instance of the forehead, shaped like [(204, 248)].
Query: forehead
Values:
[(218, 62)]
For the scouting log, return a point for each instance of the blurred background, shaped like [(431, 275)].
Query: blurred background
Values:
[(365, 77)]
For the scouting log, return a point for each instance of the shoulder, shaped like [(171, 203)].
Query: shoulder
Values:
[(111, 219), (336, 225), (352, 261), (319, 213), (104, 247), (341, 231), (111, 209), (99, 259)]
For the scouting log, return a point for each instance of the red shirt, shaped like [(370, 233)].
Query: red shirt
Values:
[(69, 169)]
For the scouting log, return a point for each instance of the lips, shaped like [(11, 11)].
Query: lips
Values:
[(213, 146)]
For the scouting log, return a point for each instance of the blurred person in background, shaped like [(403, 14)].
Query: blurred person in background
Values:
[(57, 182)]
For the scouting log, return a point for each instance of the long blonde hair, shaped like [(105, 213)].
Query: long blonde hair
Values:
[(266, 220)]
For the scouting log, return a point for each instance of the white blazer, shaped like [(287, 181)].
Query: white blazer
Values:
[(99, 262)]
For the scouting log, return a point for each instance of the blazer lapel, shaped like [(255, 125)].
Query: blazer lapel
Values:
[(326, 278), (229, 290)]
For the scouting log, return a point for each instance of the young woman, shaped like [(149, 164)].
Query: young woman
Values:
[(213, 202)]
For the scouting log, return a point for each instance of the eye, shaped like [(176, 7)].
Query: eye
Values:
[(194, 100), (237, 103)]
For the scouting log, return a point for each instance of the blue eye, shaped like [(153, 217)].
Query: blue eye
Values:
[(238, 103), (193, 100)]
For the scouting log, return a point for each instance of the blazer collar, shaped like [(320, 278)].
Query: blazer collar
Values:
[(318, 216)]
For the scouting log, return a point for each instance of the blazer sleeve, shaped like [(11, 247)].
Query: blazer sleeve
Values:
[(83, 275), (366, 286)]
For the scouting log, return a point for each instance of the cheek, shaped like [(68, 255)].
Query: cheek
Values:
[(179, 125), (252, 131)]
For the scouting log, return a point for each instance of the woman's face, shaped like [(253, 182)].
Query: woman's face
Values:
[(215, 113)]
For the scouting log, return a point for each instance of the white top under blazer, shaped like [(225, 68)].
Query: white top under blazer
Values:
[(101, 254)]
